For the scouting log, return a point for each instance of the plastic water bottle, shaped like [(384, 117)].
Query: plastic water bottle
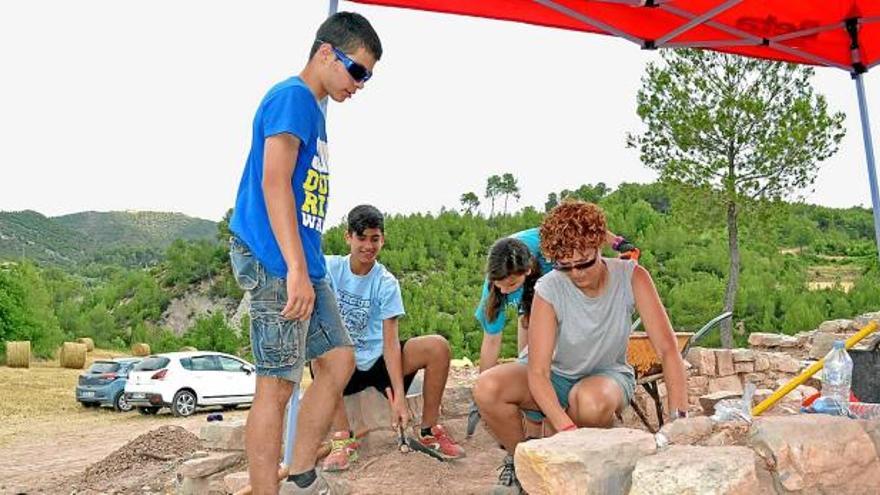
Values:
[(837, 375)]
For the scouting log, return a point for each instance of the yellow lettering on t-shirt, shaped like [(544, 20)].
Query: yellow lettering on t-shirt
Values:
[(310, 205)]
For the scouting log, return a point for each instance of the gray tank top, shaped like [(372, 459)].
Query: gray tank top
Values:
[(592, 333)]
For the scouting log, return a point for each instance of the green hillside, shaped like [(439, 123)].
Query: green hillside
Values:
[(142, 228), (123, 238), (31, 235)]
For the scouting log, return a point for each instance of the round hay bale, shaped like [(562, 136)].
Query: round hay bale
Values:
[(140, 349), (73, 355), (188, 348), (18, 354), (90, 344)]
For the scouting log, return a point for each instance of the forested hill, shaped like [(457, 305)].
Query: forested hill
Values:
[(801, 264), (71, 239)]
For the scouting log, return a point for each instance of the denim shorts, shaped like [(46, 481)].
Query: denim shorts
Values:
[(281, 346), (563, 385)]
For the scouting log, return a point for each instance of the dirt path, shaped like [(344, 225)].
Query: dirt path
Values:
[(51, 450)]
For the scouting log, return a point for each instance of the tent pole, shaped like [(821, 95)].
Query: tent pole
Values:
[(293, 405), (869, 155), (332, 8)]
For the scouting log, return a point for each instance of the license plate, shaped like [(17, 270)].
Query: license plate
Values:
[(88, 393), (137, 395)]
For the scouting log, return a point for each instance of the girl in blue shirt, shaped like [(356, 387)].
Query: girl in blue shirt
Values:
[(515, 263)]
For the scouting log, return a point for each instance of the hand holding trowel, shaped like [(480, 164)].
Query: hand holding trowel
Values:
[(406, 443)]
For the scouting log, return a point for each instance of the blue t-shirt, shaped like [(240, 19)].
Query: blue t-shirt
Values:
[(288, 107), (532, 239), (365, 301)]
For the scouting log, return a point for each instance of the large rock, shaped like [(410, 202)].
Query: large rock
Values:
[(368, 410), (206, 466), (687, 431), (759, 339), (703, 359), (742, 355), (821, 345), (836, 326), (784, 363), (584, 461), (724, 362), (223, 435), (698, 470), (730, 383), (457, 401), (817, 453)]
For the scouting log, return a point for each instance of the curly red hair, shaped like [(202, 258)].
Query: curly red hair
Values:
[(572, 227)]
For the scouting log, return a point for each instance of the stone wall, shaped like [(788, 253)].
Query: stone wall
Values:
[(770, 361)]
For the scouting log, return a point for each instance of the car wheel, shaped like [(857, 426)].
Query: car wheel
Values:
[(184, 403), (229, 407), (120, 404), (148, 411)]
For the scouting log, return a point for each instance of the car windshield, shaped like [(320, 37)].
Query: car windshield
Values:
[(99, 367), (152, 363)]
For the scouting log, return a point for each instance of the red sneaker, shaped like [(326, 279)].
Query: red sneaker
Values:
[(343, 452), (439, 441)]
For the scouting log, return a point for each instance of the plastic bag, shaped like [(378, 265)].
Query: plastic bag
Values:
[(735, 409)]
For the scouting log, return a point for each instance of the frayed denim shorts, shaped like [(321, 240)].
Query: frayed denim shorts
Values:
[(281, 346)]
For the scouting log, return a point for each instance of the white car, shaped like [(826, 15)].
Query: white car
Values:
[(183, 381)]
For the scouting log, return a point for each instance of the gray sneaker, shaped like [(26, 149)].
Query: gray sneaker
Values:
[(321, 486), (507, 482)]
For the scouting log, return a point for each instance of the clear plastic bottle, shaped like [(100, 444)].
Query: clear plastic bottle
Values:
[(837, 375)]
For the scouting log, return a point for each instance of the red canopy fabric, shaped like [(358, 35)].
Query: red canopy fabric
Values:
[(835, 33)]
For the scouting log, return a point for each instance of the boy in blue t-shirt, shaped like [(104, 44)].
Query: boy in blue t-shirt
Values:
[(276, 252), (370, 304)]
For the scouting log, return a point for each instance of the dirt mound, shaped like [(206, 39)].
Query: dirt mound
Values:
[(163, 444)]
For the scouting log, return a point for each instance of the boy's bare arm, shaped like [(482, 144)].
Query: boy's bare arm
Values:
[(393, 355), (279, 161), (394, 364)]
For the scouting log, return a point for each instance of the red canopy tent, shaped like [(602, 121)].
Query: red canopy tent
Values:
[(833, 33)]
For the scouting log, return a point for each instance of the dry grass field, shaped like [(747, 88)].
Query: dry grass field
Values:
[(43, 392), (841, 276), (46, 436)]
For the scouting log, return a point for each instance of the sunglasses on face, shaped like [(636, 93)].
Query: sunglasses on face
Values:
[(575, 265), (358, 72)]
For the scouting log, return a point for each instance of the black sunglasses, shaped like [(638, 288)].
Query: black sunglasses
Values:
[(576, 265), (358, 72)]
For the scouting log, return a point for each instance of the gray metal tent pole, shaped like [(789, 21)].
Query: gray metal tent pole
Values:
[(869, 155), (293, 405), (332, 8)]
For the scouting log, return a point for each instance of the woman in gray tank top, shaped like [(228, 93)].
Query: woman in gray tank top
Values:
[(574, 372)]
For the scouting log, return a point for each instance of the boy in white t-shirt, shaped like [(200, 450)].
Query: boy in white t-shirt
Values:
[(370, 304)]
